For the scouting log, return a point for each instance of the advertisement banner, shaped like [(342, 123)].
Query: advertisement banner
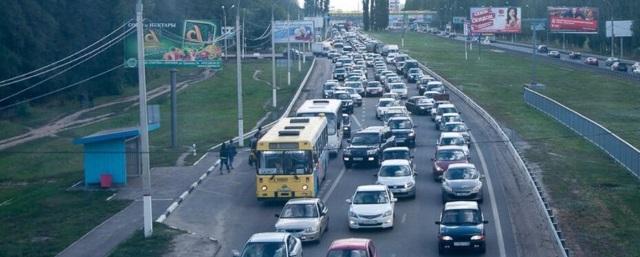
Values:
[(620, 28), (190, 43), (318, 22), (573, 19), (458, 20), (298, 31), (495, 20), (415, 18), (396, 21)]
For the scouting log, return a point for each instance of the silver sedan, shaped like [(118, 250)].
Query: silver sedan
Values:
[(307, 219)]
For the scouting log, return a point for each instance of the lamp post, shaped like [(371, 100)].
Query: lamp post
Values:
[(613, 35), (239, 79), (224, 18)]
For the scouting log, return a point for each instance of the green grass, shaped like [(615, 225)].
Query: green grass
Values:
[(41, 218), (156, 245), (596, 199)]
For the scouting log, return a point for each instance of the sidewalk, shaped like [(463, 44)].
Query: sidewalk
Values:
[(167, 184)]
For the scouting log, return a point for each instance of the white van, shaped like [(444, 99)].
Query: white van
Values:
[(390, 49)]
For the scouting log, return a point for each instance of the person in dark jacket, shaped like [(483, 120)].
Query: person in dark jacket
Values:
[(231, 148), (224, 157)]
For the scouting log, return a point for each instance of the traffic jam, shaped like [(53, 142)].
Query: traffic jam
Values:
[(363, 68)]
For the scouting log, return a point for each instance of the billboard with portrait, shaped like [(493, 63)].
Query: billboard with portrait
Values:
[(573, 19), (188, 43), (495, 19), (298, 31)]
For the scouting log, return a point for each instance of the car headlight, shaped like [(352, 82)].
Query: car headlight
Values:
[(438, 168), (446, 187), (264, 188), (372, 151), (477, 237), (346, 151), (310, 229), (446, 238), (305, 187), (477, 188), (387, 213), (409, 184), (412, 134)]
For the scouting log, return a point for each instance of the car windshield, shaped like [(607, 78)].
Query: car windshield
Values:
[(400, 124), (365, 139), (396, 155), (264, 249), (307, 210), (347, 253), (461, 217), (340, 70), (329, 86), (352, 85), (385, 103), (461, 173), (398, 86), (456, 128), (284, 163), (451, 118), (353, 78), (370, 197), (450, 155), (424, 101), (452, 141), (447, 110), (343, 96), (373, 84), (394, 171)]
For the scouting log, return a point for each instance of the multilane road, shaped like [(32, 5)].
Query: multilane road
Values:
[(225, 207)]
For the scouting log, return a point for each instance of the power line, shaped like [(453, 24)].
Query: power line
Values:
[(63, 88), (28, 75), (92, 54)]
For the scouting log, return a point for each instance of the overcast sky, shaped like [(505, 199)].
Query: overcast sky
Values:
[(345, 5)]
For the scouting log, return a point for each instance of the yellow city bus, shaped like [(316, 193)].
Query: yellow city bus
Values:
[(292, 159)]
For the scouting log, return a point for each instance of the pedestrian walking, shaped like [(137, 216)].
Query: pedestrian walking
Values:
[(224, 157), (232, 152)]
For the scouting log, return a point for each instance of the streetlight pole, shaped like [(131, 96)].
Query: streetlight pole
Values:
[(274, 91), (239, 79), (224, 19), (144, 126), (613, 35), (288, 46)]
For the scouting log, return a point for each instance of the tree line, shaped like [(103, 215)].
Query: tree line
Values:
[(34, 33), (619, 9), (375, 14)]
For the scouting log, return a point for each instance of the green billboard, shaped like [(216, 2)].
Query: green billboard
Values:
[(190, 43)]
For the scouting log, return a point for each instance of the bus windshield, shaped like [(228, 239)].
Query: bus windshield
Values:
[(285, 163)]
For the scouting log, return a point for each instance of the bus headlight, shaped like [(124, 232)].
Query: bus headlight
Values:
[(305, 187), (264, 188)]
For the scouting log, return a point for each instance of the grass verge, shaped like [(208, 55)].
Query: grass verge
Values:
[(156, 245), (596, 199), (39, 218)]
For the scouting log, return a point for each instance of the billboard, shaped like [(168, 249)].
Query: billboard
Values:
[(495, 19), (415, 18), (298, 31), (459, 19), (620, 28), (396, 21), (318, 22), (573, 19), (190, 43)]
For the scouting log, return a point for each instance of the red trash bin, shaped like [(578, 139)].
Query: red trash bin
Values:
[(106, 180)]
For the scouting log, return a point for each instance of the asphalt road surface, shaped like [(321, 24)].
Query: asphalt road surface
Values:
[(225, 207)]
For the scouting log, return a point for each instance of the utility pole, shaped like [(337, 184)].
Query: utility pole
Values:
[(274, 90), (174, 106), (244, 38), (613, 35), (144, 126), (224, 18), (239, 79), (288, 46)]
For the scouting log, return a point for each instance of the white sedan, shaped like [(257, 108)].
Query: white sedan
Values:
[(372, 206)]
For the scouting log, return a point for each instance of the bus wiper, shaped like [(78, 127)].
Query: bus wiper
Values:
[(272, 177)]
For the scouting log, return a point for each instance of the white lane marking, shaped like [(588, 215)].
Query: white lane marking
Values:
[(335, 184), (404, 218), (494, 208), (108, 198), (357, 122)]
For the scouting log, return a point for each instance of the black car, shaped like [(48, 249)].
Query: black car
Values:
[(619, 66), (366, 146), (414, 75), (408, 64), (461, 226), (347, 101), (575, 55), (419, 105), (402, 130), (346, 125)]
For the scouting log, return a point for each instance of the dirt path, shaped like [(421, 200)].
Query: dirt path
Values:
[(74, 120)]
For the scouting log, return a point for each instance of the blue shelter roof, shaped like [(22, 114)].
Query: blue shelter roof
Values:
[(111, 134)]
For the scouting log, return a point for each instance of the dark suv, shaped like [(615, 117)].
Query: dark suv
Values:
[(366, 146), (461, 226), (402, 129)]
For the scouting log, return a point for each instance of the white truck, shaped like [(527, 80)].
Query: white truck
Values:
[(320, 48)]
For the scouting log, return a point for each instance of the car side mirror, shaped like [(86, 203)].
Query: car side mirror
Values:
[(348, 201), (375, 175), (235, 253), (325, 211), (349, 140), (438, 222), (433, 159), (483, 176), (485, 222), (393, 200), (277, 215)]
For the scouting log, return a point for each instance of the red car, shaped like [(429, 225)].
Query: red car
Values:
[(446, 155), (352, 247), (591, 61)]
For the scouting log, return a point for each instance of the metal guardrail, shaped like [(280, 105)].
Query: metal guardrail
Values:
[(620, 150)]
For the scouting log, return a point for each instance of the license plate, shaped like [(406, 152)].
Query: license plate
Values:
[(368, 222), (358, 158), (461, 243), (461, 194)]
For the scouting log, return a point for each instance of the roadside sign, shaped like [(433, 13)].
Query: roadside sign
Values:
[(538, 26), (458, 19)]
